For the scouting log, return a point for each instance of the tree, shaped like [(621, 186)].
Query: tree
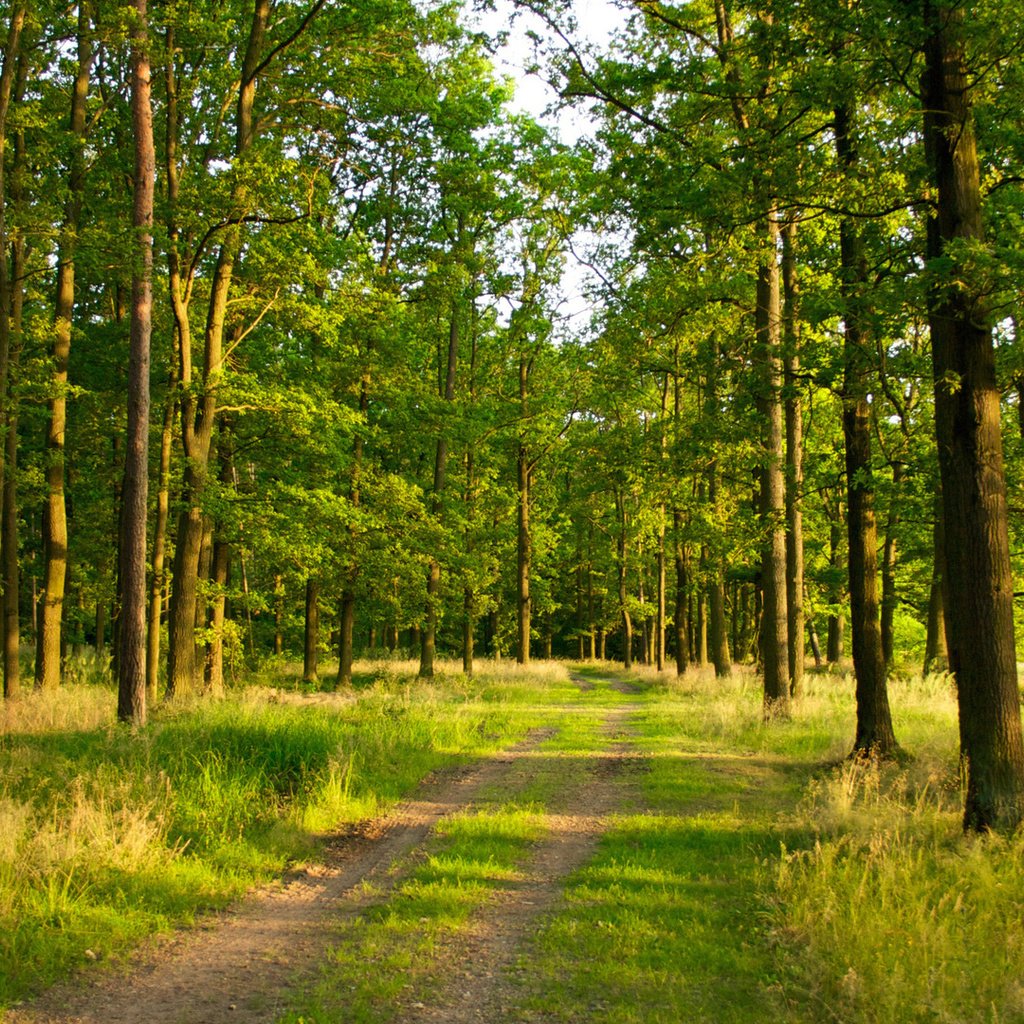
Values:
[(131, 704), (967, 426)]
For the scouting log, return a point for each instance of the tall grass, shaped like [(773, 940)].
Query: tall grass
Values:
[(108, 834)]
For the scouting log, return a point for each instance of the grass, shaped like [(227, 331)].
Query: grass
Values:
[(107, 836), (751, 869)]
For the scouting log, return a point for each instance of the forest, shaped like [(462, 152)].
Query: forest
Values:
[(325, 370)]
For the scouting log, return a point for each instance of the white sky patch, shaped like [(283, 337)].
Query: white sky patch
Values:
[(597, 22)]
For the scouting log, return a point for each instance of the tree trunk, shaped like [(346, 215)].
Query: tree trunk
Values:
[(935, 650), (220, 560), (967, 425), (131, 701), (623, 550), (447, 393), (889, 557), (524, 547), (278, 615), (55, 538), (158, 581), (775, 617), (199, 412), (794, 461), (682, 599), (874, 733), (311, 647)]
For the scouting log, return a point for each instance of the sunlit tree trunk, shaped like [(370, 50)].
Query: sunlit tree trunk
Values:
[(131, 701), (794, 460)]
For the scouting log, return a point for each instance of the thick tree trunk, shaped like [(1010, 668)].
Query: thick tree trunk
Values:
[(131, 701), (967, 424), (682, 624), (55, 539), (794, 461), (874, 733), (9, 514)]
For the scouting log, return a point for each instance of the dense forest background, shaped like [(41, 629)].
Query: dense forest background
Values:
[(376, 423)]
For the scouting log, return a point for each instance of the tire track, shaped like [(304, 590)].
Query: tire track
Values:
[(241, 964)]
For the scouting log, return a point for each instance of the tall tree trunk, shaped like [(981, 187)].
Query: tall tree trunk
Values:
[(623, 552), (55, 538), (775, 618), (794, 460), (199, 412), (834, 637), (524, 551), (967, 424), (311, 647), (131, 700), (447, 392), (9, 518), (278, 615), (874, 733)]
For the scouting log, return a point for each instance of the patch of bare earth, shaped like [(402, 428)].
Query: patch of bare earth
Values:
[(240, 965), (482, 985)]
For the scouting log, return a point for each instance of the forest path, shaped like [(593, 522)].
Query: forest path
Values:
[(246, 963), (241, 964)]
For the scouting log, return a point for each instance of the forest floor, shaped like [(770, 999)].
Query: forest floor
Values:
[(620, 864)]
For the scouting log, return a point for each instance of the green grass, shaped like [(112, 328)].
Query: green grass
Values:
[(752, 871), (107, 835)]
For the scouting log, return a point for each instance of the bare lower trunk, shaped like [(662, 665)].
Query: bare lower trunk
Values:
[(874, 733), (158, 580), (775, 616), (55, 539), (131, 661), (889, 557), (967, 424), (794, 462), (346, 637), (311, 647)]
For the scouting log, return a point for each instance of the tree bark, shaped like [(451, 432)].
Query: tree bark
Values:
[(775, 618), (447, 392), (311, 647), (967, 425), (889, 558), (935, 650), (524, 547), (794, 460), (55, 537), (199, 412), (874, 732), (131, 701), (623, 552), (9, 518)]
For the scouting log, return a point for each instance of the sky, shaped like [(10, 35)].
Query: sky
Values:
[(597, 21)]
